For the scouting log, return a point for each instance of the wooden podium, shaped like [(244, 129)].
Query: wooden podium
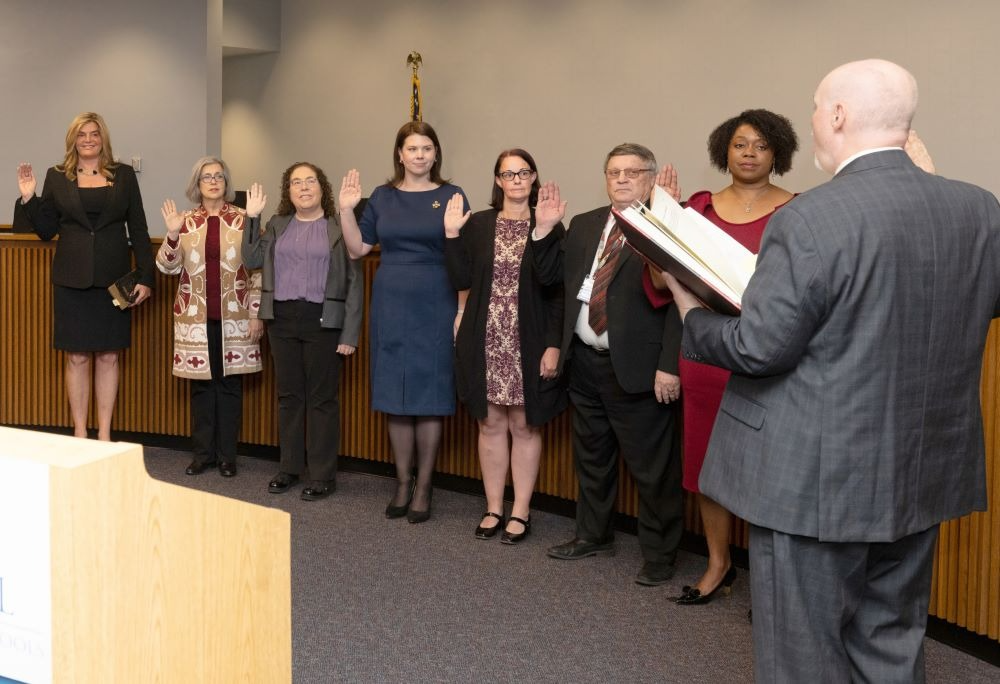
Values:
[(107, 575)]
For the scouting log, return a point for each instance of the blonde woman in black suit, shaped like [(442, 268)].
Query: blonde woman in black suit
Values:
[(93, 204)]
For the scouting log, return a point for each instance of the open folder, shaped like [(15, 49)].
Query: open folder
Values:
[(702, 256)]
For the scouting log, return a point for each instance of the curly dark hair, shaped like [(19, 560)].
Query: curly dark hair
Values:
[(496, 198), (285, 207), (775, 129)]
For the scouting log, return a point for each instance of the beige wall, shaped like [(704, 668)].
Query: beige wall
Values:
[(554, 77), (548, 75), (141, 64)]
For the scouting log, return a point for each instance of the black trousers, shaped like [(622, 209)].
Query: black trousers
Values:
[(307, 370), (607, 419), (216, 407)]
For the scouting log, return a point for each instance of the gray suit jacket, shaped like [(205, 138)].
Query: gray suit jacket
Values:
[(853, 412), (344, 294)]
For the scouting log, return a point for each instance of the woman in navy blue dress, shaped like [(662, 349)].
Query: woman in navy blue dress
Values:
[(413, 308)]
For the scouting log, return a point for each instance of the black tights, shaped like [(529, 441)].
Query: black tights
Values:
[(415, 438)]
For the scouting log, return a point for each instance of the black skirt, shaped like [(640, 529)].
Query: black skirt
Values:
[(88, 321)]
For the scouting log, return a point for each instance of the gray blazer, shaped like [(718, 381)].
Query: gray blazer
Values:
[(853, 412), (344, 282)]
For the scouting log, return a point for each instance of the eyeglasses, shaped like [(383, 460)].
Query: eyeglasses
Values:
[(302, 182), (213, 178), (614, 174), (523, 174)]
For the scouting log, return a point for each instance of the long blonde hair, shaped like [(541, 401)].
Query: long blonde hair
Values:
[(106, 159)]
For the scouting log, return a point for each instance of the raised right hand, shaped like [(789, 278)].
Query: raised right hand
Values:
[(667, 179), (350, 190), (454, 218), (173, 220), (26, 183)]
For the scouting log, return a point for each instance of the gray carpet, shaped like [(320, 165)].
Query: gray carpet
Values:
[(377, 600)]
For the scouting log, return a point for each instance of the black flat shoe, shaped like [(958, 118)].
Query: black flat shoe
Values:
[(693, 597), (317, 491), (197, 467), (281, 483), (392, 511), (515, 537), (489, 532), (227, 469)]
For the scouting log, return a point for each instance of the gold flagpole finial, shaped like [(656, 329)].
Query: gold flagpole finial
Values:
[(413, 60)]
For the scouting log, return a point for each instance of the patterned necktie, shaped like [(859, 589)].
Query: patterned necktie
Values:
[(606, 268)]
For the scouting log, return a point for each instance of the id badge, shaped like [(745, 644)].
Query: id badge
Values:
[(588, 286)]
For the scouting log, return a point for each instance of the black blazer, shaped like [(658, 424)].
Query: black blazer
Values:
[(469, 259), (643, 339), (90, 256)]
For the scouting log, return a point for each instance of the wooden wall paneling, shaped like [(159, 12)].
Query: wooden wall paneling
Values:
[(965, 590)]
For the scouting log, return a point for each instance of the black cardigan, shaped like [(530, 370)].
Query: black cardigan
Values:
[(469, 259), (91, 256)]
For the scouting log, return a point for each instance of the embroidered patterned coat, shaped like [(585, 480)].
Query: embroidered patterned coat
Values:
[(240, 296)]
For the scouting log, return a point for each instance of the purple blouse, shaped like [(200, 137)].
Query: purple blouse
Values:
[(301, 261)]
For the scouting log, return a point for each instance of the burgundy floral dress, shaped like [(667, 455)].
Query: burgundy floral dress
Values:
[(504, 382)]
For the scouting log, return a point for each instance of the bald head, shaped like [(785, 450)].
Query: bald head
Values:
[(862, 105)]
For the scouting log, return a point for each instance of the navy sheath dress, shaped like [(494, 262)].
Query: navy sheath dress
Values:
[(413, 304)]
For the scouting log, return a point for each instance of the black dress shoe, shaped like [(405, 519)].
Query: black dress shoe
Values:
[(227, 469), (281, 482), (694, 597), (515, 537), (654, 574), (489, 532), (581, 548), (318, 490), (197, 467)]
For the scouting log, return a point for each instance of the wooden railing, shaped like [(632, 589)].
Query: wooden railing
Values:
[(966, 588)]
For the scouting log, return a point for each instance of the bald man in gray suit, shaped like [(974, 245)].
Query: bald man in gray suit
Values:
[(851, 425)]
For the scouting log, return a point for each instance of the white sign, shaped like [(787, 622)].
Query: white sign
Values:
[(25, 572)]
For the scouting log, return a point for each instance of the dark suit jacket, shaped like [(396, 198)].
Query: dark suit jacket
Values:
[(469, 259), (853, 411), (344, 294), (90, 256), (642, 339)]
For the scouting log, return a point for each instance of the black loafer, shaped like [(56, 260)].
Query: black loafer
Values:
[(227, 469), (489, 532), (197, 467), (654, 574), (317, 491), (581, 548), (281, 483)]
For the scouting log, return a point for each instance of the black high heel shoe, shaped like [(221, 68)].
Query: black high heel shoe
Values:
[(392, 511), (415, 516), (693, 597), (489, 532), (514, 538)]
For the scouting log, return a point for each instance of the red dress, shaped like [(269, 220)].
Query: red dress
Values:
[(702, 385)]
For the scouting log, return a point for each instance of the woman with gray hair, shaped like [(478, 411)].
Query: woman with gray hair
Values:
[(216, 329)]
